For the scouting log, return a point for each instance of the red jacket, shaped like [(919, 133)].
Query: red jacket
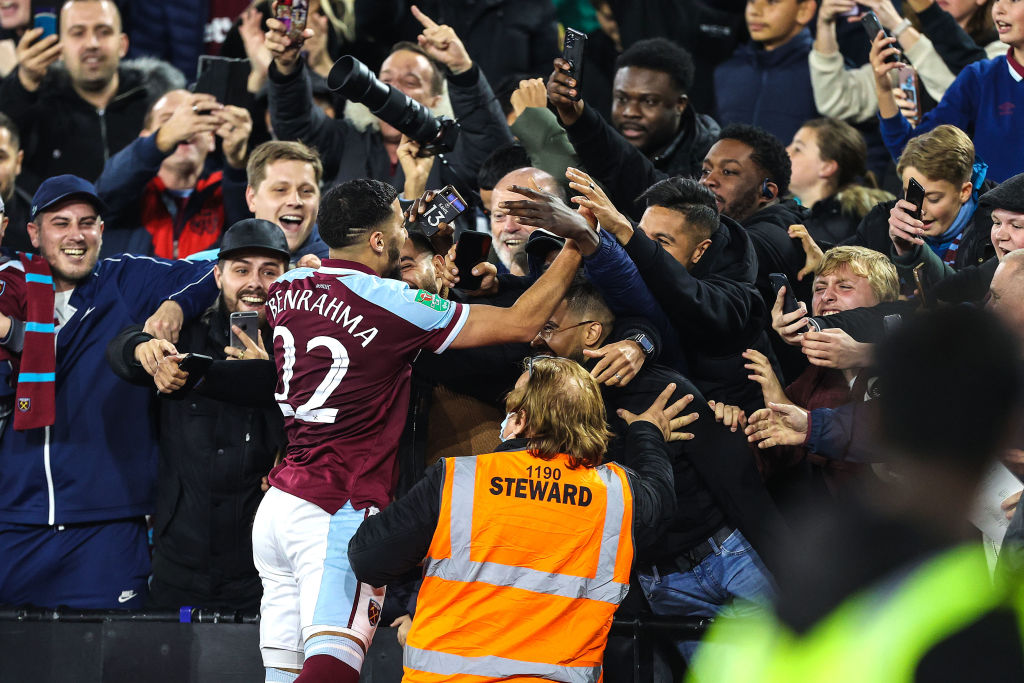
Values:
[(198, 224)]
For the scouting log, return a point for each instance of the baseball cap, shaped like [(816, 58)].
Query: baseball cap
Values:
[(61, 187), (254, 233), (1008, 195)]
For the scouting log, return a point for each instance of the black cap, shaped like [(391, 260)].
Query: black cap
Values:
[(1008, 195), (254, 233), (541, 242), (61, 187)]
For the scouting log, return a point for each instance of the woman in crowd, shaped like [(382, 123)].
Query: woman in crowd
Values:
[(830, 178)]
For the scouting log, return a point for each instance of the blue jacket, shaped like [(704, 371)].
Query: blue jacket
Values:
[(98, 461), (982, 102), (770, 89)]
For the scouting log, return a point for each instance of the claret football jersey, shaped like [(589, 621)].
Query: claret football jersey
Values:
[(344, 341)]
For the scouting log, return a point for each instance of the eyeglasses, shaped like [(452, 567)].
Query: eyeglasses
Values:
[(550, 329)]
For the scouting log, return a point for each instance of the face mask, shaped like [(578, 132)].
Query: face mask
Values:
[(501, 430)]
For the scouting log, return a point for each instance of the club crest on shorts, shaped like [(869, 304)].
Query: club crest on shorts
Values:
[(373, 612), (24, 404)]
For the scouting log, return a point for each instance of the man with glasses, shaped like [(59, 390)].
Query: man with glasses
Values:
[(699, 563), (528, 550)]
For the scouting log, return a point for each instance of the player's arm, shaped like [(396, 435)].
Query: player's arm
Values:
[(487, 325)]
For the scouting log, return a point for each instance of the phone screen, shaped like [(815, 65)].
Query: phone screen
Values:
[(471, 249)]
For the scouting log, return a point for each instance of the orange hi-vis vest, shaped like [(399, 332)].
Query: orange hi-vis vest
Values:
[(528, 562)]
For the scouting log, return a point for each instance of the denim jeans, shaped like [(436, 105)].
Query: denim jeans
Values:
[(731, 581)]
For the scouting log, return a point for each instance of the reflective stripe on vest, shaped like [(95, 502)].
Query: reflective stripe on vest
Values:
[(496, 667), (879, 635), (459, 567), (528, 562)]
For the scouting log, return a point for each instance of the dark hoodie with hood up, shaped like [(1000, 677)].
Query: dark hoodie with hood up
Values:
[(624, 171), (715, 308)]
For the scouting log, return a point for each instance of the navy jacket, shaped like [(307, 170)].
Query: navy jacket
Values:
[(769, 89), (98, 461)]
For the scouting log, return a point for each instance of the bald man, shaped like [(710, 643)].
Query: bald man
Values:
[(509, 236)]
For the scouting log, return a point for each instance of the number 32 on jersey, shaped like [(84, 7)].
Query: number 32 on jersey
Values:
[(312, 410)]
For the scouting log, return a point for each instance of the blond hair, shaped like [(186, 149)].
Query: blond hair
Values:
[(945, 153), (280, 150), (564, 411), (868, 263)]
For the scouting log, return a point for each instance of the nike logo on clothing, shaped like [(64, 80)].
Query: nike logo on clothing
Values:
[(125, 595)]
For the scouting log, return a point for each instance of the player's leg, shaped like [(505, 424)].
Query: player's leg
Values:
[(339, 614), (280, 626)]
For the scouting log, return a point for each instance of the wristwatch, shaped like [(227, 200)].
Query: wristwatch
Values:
[(645, 344)]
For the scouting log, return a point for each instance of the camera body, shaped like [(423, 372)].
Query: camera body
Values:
[(355, 81)]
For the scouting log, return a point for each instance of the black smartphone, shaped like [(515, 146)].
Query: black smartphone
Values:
[(249, 322), (444, 208), (572, 52), (471, 249), (872, 25), (789, 302), (915, 195), (196, 365), (44, 16), (224, 78)]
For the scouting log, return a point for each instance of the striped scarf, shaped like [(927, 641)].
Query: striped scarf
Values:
[(34, 402)]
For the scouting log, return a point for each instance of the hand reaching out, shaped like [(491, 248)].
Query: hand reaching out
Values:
[(665, 418)]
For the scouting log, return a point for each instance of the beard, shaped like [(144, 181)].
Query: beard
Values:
[(394, 269), (744, 206)]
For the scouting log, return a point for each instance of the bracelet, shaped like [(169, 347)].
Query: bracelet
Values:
[(900, 28)]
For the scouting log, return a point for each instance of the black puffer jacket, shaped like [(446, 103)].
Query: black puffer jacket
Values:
[(213, 455), (62, 133)]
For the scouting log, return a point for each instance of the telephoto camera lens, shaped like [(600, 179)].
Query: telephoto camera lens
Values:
[(356, 82)]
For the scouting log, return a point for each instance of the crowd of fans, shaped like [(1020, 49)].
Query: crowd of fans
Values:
[(809, 230)]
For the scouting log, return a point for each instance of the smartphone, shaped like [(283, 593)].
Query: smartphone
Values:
[(924, 290), (444, 208), (293, 14), (196, 365), (872, 25), (249, 322), (906, 79), (471, 250), (572, 52), (224, 78), (789, 302), (45, 17), (891, 322), (915, 195)]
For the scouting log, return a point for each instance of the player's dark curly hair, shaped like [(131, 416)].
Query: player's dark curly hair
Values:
[(768, 152), (660, 54), (688, 197), (350, 210)]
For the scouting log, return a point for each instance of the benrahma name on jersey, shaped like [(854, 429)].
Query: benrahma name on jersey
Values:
[(330, 307)]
